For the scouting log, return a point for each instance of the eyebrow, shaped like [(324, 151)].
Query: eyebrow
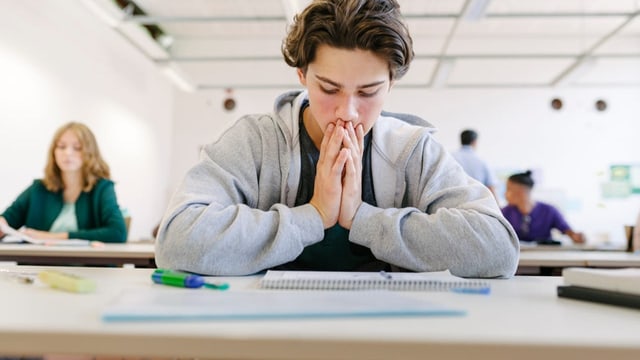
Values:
[(324, 79)]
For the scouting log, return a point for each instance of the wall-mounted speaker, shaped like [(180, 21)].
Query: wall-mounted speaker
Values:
[(556, 104)]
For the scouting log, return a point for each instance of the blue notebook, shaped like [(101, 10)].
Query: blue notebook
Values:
[(180, 304)]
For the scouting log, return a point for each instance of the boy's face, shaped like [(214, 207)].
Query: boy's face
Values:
[(350, 85)]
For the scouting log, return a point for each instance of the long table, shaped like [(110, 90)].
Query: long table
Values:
[(143, 255), (551, 262), (522, 318), (137, 254), (579, 258)]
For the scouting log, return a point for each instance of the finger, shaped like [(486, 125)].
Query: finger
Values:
[(350, 140), (349, 169), (356, 137), (334, 144), (325, 140), (351, 194), (360, 137), (341, 160)]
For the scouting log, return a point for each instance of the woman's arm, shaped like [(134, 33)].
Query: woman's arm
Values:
[(104, 215)]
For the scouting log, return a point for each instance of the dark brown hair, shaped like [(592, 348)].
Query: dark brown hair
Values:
[(93, 166), (370, 25)]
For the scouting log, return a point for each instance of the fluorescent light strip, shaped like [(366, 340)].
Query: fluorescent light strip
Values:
[(475, 10)]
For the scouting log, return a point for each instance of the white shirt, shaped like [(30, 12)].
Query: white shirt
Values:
[(474, 165)]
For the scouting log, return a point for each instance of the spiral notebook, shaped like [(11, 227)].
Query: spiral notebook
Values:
[(400, 281)]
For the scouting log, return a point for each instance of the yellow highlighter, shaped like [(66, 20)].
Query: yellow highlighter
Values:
[(67, 282)]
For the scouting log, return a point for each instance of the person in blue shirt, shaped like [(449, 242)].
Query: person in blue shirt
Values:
[(533, 220), (472, 164)]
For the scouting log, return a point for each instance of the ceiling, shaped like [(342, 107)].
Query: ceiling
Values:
[(219, 44)]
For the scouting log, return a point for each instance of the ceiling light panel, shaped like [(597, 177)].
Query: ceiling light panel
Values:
[(613, 72), (556, 6), (241, 73), (204, 8), (504, 72), (413, 7)]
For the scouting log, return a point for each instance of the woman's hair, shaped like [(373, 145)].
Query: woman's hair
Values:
[(370, 25), (93, 166), (523, 179)]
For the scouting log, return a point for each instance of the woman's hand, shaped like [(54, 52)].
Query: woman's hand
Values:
[(38, 234), (3, 224)]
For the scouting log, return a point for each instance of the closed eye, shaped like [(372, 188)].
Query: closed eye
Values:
[(329, 91), (369, 94)]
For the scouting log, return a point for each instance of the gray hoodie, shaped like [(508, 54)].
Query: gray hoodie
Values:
[(234, 213)]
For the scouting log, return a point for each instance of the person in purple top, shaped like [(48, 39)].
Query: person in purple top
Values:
[(533, 220)]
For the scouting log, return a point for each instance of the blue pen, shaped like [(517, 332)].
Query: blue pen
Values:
[(185, 280)]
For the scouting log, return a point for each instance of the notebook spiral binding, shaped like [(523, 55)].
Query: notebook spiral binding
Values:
[(369, 284)]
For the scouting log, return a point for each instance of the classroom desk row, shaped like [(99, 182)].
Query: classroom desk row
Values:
[(137, 254), (551, 258), (551, 262), (522, 318), (143, 255)]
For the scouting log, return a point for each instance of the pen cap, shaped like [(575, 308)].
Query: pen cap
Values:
[(177, 278)]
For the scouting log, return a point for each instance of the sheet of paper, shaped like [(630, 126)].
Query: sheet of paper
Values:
[(164, 303), (14, 236)]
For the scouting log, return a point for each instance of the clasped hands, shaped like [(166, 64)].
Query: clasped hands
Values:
[(337, 193)]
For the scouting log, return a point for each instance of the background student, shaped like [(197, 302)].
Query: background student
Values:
[(329, 181), (75, 198), (472, 164), (533, 220)]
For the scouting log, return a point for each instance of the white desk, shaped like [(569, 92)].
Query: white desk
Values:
[(613, 259), (525, 246), (522, 319), (138, 254), (551, 258)]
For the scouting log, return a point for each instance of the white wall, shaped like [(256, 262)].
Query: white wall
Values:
[(570, 150), (59, 63)]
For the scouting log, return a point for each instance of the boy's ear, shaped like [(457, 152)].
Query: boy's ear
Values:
[(302, 77)]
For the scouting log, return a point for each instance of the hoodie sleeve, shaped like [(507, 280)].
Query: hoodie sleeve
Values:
[(227, 217), (443, 219)]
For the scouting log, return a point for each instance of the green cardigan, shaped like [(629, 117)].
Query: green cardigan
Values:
[(97, 211)]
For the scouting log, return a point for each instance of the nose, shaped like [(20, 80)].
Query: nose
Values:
[(347, 109)]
